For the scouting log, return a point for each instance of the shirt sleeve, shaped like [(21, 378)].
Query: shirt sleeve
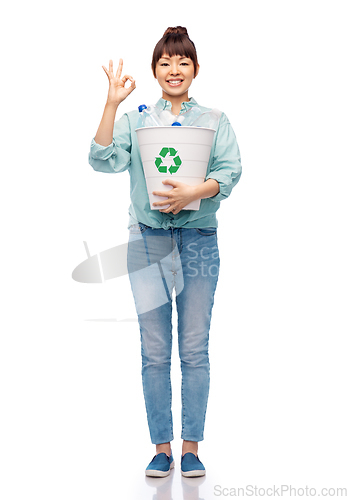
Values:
[(226, 166), (116, 156)]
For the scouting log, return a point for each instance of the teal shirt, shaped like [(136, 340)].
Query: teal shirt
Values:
[(123, 154)]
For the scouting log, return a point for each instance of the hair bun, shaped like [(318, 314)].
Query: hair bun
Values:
[(178, 30)]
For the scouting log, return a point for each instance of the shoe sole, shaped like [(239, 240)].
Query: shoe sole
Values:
[(159, 473), (193, 473)]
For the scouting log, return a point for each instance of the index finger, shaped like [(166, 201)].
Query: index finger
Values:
[(163, 193), (119, 69)]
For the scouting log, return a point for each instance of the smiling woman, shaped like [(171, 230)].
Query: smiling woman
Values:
[(175, 74), (193, 268), (175, 65), (173, 43)]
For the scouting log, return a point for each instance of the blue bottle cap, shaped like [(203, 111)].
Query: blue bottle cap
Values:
[(176, 124), (142, 107)]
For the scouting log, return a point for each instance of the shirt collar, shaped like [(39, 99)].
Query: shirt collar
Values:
[(163, 104)]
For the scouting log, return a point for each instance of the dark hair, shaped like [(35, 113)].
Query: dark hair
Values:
[(175, 42)]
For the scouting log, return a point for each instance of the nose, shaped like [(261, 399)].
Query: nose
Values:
[(174, 70)]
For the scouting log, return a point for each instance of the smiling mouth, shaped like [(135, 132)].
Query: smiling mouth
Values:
[(174, 83)]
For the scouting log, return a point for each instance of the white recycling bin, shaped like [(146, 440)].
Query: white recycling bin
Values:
[(180, 153)]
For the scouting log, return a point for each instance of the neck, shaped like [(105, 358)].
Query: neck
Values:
[(176, 101)]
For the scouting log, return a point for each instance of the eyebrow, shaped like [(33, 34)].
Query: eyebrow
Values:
[(182, 57)]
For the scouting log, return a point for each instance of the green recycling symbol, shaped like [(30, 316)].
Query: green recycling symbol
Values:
[(176, 161)]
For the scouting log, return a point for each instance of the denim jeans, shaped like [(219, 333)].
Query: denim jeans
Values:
[(160, 261)]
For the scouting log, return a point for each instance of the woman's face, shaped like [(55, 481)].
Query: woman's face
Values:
[(175, 74)]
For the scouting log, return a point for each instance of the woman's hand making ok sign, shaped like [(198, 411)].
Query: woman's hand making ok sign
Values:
[(117, 89)]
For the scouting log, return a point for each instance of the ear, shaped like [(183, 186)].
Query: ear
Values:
[(197, 71)]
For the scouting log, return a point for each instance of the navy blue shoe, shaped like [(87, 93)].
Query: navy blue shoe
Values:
[(160, 465), (191, 466)]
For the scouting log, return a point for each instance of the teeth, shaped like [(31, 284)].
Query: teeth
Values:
[(174, 82)]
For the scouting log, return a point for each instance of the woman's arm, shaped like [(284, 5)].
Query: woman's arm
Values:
[(117, 93), (226, 167), (207, 189), (182, 194), (105, 130)]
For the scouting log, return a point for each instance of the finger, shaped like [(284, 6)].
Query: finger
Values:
[(170, 210), (131, 88), (111, 67), (119, 69), (132, 85), (163, 194), (127, 77), (171, 182), (160, 203), (168, 192), (106, 71)]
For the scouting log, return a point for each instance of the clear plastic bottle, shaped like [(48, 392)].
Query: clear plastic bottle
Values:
[(149, 117), (208, 119), (167, 117), (186, 119)]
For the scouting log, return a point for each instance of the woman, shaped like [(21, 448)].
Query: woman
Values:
[(184, 242)]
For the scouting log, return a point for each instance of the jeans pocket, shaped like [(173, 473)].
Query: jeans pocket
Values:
[(139, 228), (206, 231)]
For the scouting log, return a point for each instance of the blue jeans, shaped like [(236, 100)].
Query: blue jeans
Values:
[(160, 260)]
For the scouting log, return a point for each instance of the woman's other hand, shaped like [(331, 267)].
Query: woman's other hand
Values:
[(178, 197), (117, 84)]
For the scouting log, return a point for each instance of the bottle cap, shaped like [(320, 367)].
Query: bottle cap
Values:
[(176, 124), (142, 107)]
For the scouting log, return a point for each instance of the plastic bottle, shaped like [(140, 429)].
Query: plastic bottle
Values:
[(167, 117), (208, 119), (151, 116), (148, 117), (176, 124), (186, 119)]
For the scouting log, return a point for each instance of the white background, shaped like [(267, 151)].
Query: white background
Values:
[(73, 422)]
